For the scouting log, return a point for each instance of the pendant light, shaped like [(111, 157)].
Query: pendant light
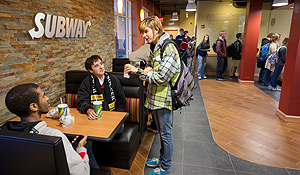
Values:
[(191, 6), (174, 17), (277, 3)]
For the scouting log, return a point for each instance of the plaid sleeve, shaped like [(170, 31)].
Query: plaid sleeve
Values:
[(164, 69)]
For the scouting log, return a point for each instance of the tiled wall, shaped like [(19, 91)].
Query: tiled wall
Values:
[(44, 61)]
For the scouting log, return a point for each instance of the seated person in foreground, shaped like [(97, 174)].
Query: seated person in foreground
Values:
[(28, 101), (101, 86)]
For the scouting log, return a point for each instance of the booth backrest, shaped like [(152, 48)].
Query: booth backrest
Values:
[(118, 64), (133, 87), (24, 153)]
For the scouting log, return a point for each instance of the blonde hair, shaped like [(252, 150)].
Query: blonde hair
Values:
[(154, 24), (285, 42), (275, 37)]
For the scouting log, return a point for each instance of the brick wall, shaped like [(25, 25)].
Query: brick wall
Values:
[(45, 61)]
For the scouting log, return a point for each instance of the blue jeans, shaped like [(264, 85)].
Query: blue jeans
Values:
[(201, 66), (221, 66), (267, 77), (163, 118), (276, 73), (262, 74)]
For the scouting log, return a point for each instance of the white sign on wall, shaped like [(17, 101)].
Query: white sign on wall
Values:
[(58, 27)]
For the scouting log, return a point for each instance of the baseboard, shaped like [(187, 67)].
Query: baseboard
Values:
[(287, 118), (246, 81)]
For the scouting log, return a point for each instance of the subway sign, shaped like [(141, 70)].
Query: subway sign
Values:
[(58, 27)]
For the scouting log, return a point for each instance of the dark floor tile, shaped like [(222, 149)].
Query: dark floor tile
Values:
[(293, 171), (178, 117), (198, 133), (177, 153), (246, 166), (196, 118), (154, 151), (196, 170), (176, 169), (177, 131), (273, 94), (244, 173), (205, 155)]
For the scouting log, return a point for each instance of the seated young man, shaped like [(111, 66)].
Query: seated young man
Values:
[(101, 86), (28, 101)]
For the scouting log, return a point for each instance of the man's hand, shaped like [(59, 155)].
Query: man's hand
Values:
[(82, 142), (148, 69), (130, 68), (92, 115)]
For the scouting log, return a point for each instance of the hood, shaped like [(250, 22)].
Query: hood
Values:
[(18, 126), (163, 37)]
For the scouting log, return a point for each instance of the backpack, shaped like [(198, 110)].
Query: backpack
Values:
[(182, 90), (230, 50), (273, 57), (264, 52), (214, 46)]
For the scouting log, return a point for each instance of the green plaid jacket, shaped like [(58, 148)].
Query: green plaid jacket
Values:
[(164, 70)]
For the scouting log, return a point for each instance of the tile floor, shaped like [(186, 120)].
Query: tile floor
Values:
[(195, 151)]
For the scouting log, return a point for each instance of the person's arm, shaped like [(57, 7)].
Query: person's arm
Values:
[(219, 49), (78, 161), (164, 69), (83, 97)]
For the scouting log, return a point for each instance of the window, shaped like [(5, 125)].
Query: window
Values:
[(123, 28)]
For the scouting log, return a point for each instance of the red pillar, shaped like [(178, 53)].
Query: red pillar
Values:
[(251, 35), (289, 104)]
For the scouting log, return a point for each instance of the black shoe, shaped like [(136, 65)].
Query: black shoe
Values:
[(260, 82)]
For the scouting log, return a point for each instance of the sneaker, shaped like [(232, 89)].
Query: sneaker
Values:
[(260, 82), (159, 171), (153, 163), (231, 77), (276, 89), (199, 78), (270, 87), (205, 77), (219, 79)]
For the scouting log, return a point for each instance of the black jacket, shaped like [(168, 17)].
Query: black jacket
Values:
[(237, 48), (86, 95), (282, 55), (202, 49)]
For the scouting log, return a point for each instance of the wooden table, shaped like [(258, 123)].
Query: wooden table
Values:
[(103, 129)]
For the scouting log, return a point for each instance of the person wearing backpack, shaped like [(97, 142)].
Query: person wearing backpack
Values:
[(201, 53), (236, 57), (280, 64), (270, 67), (221, 50), (261, 63), (164, 68)]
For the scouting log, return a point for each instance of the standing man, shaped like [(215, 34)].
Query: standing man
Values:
[(163, 71), (221, 49), (28, 101), (180, 36), (236, 57)]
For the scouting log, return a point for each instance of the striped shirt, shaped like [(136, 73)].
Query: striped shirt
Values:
[(164, 70)]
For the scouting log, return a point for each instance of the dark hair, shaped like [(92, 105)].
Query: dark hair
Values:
[(207, 39), (185, 32), (181, 29), (19, 98), (238, 35), (90, 61)]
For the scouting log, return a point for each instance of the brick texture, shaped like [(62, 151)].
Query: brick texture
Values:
[(44, 61)]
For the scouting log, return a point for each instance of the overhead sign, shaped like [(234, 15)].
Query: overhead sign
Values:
[(58, 27)]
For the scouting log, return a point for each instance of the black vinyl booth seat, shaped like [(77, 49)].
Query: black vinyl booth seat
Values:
[(24, 153), (121, 150), (118, 64)]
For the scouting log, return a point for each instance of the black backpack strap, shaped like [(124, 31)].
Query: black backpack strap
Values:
[(165, 44)]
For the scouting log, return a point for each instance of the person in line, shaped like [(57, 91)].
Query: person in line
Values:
[(172, 37), (190, 54), (201, 52), (28, 101), (221, 49), (261, 65), (180, 36), (270, 67), (161, 72), (102, 86), (186, 36), (280, 64), (236, 57)]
